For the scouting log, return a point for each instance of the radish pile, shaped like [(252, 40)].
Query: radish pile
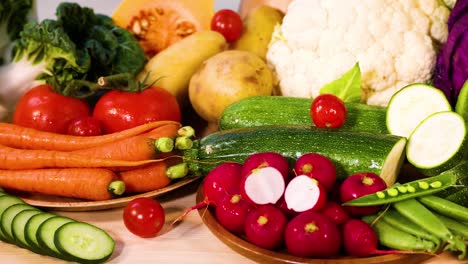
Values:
[(295, 209)]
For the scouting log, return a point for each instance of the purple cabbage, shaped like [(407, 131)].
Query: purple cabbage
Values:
[(451, 69)]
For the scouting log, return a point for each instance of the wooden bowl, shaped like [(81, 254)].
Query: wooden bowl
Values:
[(261, 255)]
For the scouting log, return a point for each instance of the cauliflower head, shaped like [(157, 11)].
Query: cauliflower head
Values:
[(395, 43)]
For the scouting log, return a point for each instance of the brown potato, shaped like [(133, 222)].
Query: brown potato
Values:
[(226, 78)]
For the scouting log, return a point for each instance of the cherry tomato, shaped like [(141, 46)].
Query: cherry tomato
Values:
[(228, 23), (144, 217), (117, 110), (86, 126), (43, 109), (327, 110)]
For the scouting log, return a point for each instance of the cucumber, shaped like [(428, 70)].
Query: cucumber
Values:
[(30, 230), (84, 243), (5, 202), (412, 104), (18, 226), (438, 143), (458, 193), (45, 235), (7, 218), (351, 151), (281, 110), (461, 106)]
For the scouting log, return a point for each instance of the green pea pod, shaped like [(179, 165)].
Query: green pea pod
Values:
[(457, 227), (397, 220), (445, 207), (400, 192), (395, 238), (420, 215)]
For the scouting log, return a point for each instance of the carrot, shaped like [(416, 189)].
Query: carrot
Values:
[(139, 147), (22, 159), (15, 136), (83, 183)]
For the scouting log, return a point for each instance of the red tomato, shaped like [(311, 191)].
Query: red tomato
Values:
[(144, 217), (327, 110), (43, 109), (87, 126), (228, 23), (117, 110)]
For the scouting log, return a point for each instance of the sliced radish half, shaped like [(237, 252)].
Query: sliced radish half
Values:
[(304, 193), (263, 186)]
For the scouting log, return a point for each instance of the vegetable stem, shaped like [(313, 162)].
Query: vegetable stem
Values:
[(117, 187), (164, 144), (177, 171)]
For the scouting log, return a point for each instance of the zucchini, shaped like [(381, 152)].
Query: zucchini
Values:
[(18, 226), (84, 243), (5, 202), (30, 231), (292, 111), (8, 216), (45, 235), (351, 151), (411, 105), (458, 193), (437, 143)]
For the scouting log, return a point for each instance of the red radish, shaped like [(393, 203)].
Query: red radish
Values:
[(360, 240), (232, 211), (318, 167), (264, 185), (266, 159), (312, 234), (335, 211), (304, 193), (223, 180), (281, 204), (264, 227), (358, 185)]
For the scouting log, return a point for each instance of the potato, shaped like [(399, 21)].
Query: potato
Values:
[(226, 78)]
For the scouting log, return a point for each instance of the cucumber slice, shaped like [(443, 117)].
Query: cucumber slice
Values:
[(18, 226), (5, 202), (45, 235), (84, 243), (31, 228), (412, 104), (437, 144), (462, 102), (7, 218)]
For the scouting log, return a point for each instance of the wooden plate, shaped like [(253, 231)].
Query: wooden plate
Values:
[(70, 204), (261, 255)]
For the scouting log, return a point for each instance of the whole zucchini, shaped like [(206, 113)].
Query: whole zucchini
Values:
[(350, 151), (280, 110), (459, 192)]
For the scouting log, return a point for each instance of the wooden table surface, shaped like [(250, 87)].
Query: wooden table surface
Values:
[(189, 242)]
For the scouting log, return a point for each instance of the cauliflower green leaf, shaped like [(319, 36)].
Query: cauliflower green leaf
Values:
[(347, 87)]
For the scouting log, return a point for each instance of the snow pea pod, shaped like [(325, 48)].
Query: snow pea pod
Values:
[(420, 215), (458, 228), (445, 207), (400, 192)]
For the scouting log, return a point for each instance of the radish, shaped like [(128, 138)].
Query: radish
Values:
[(312, 234), (358, 185), (232, 211), (318, 167), (335, 211), (360, 240), (289, 213), (264, 227), (304, 193), (222, 180), (266, 159), (264, 185)]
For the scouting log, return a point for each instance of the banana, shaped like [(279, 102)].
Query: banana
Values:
[(258, 28), (173, 67)]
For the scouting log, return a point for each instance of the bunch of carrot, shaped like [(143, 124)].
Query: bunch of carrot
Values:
[(92, 168)]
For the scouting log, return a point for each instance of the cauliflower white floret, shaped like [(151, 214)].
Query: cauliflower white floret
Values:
[(394, 42)]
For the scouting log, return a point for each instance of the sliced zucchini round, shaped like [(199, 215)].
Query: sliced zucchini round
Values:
[(18, 226), (412, 104), (8, 216), (84, 243), (437, 143)]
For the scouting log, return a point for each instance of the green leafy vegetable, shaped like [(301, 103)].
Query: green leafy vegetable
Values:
[(347, 87)]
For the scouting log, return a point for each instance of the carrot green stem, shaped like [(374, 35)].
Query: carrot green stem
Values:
[(177, 171), (186, 131), (183, 143), (164, 144), (117, 187)]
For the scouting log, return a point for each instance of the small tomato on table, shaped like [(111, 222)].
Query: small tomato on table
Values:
[(119, 110)]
